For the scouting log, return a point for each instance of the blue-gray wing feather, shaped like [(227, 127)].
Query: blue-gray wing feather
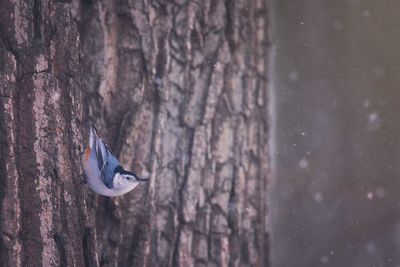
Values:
[(107, 162)]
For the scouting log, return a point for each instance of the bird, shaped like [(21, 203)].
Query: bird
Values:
[(104, 174)]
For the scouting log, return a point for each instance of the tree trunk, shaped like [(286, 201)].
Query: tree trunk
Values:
[(179, 92)]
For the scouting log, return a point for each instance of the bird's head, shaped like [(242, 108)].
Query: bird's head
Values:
[(124, 177)]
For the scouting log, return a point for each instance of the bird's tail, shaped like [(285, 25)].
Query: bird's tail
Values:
[(92, 136)]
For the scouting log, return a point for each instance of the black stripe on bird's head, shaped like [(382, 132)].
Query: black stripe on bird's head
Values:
[(119, 169)]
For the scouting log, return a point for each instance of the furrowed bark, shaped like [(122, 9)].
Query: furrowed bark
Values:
[(43, 206), (180, 91)]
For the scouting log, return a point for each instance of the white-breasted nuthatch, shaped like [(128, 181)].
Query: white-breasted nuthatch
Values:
[(104, 174)]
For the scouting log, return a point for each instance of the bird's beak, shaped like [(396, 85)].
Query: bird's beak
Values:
[(141, 179)]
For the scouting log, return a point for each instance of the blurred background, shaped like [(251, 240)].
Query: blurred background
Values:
[(336, 133)]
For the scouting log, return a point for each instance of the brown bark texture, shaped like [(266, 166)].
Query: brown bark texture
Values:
[(178, 89)]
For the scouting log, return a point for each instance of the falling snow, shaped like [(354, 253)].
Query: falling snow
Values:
[(324, 259), (303, 163), (293, 76), (366, 13), (366, 103), (370, 247), (318, 197), (374, 120)]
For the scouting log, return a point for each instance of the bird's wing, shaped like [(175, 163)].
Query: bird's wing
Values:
[(107, 162)]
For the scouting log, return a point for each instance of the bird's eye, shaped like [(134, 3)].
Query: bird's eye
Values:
[(129, 178)]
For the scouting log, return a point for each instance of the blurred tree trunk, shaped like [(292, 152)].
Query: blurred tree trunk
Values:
[(179, 92)]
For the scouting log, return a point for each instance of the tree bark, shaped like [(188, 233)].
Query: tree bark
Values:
[(179, 92), (44, 216)]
